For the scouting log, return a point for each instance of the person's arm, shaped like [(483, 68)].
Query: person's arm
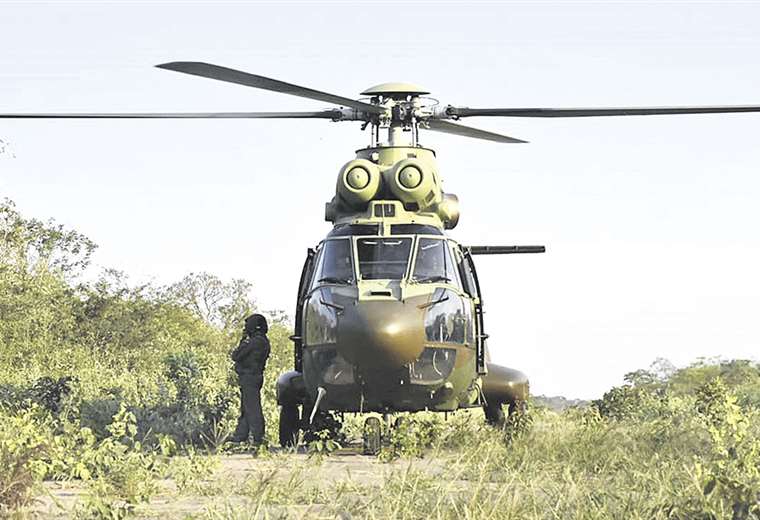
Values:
[(260, 345), (267, 349), (243, 350)]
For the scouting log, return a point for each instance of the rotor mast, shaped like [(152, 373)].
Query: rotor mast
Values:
[(398, 132), (401, 104)]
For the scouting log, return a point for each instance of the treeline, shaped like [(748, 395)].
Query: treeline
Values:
[(95, 345)]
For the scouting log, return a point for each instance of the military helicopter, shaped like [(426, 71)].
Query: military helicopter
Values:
[(389, 312)]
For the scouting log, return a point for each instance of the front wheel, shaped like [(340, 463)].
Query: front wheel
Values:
[(495, 415), (289, 420), (372, 436)]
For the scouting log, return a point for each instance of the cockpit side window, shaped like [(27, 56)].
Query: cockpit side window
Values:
[(467, 273), (383, 258), (453, 249), (434, 262), (334, 264)]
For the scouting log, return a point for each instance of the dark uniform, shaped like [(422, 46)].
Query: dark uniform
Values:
[(250, 359)]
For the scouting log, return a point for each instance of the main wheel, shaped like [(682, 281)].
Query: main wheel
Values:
[(372, 436), (289, 422), (324, 421), (518, 407), (495, 415)]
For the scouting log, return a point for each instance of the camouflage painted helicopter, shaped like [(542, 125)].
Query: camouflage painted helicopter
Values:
[(389, 312)]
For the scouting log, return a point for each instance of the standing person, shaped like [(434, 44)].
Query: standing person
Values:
[(250, 359)]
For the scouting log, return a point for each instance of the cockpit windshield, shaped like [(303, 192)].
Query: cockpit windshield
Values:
[(335, 264), (383, 258), (434, 262)]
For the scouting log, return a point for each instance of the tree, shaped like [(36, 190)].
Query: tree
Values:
[(31, 246), (224, 305), (37, 259)]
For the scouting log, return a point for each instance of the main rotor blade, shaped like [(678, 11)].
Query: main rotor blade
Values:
[(466, 131), (596, 112), (208, 70), (326, 114)]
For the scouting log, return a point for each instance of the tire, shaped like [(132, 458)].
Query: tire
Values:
[(495, 415), (289, 422), (371, 436), (518, 407)]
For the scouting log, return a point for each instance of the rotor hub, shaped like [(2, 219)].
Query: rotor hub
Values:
[(395, 90)]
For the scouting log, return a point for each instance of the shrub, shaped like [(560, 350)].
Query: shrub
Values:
[(731, 475), (411, 436), (622, 402), (20, 446)]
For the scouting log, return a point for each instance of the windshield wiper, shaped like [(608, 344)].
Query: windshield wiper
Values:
[(435, 278), (434, 302), (334, 279)]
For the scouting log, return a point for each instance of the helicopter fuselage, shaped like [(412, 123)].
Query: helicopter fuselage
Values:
[(389, 318), (388, 324), (389, 312)]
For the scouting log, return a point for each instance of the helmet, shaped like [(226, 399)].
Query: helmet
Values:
[(256, 323)]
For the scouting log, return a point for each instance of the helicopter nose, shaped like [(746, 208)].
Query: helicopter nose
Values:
[(381, 334)]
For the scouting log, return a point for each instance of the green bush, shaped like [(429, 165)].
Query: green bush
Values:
[(412, 436), (21, 446)]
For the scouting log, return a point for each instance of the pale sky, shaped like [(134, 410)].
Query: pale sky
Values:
[(651, 223)]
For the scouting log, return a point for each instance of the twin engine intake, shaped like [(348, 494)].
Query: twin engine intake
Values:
[(411, 180)]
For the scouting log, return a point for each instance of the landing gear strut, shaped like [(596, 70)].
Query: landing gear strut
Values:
[(372, 436), (495, 412)]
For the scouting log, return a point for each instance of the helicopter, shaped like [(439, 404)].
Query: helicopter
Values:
[(389, 311)]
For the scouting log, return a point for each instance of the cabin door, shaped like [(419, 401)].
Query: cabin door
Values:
[(303, 287), (473, 289)]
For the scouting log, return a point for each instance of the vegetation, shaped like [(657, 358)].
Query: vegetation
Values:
[(118, 388), (103, 379)]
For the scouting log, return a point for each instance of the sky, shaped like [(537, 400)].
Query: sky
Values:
[(650, 223)]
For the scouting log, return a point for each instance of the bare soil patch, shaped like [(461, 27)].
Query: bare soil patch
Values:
[(300, 482)]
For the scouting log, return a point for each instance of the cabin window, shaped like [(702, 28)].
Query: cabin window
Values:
[(321, 319), (447, 319), (335, 264), (467, 273), (383, 258)]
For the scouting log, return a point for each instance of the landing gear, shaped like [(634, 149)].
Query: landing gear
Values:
[(289, 425), (324, 421), (372, 436), (518, 407), (495, 415), (495, 412)]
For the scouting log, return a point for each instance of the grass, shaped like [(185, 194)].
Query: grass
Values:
[(565, 466), (669, 457)]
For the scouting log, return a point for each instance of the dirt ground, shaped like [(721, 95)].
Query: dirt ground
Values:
[(232, 489)]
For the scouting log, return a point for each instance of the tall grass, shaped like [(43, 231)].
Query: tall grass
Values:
[(669, 456)]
